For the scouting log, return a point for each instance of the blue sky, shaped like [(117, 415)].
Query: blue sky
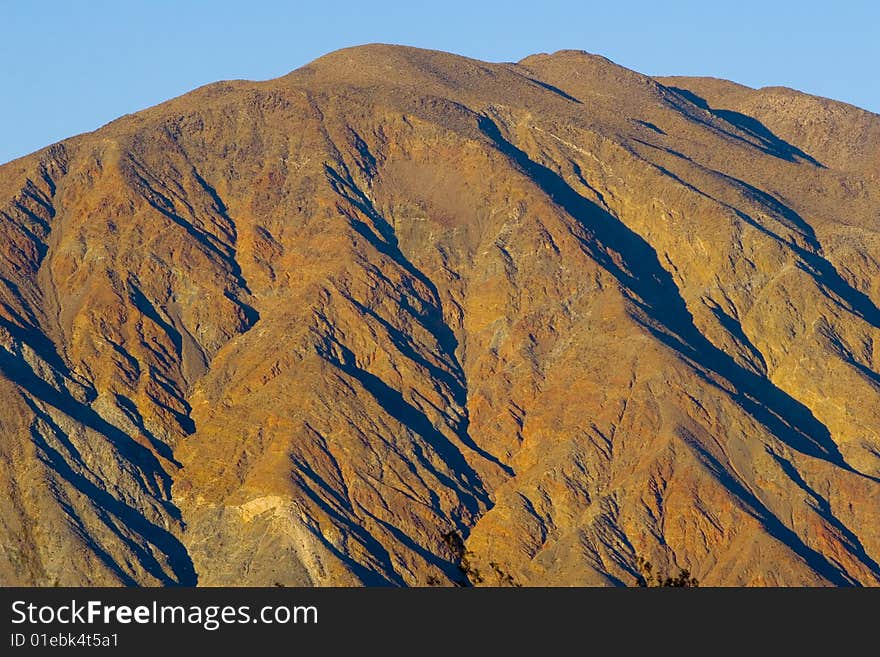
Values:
[(69, 67)]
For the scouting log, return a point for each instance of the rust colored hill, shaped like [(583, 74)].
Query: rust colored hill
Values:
[(307, 331)]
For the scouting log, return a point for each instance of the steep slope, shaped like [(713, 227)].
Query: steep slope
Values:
[(305, 331)]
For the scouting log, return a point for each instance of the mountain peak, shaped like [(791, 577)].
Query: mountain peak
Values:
[(404, 317)]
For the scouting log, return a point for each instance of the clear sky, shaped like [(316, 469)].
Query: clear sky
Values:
[(71, 66)]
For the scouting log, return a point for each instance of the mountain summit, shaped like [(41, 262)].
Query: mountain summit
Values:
[(403, 317)]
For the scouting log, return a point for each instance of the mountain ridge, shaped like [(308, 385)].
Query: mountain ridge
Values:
[(301, 331)]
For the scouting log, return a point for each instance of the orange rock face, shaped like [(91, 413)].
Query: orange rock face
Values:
[(312, 331)]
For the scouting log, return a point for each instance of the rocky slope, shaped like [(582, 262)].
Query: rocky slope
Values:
[(310, 331)]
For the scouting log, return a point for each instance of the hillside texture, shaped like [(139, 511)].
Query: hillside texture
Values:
[(310, 331)]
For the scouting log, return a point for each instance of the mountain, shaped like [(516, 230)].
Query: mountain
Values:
[(403, 317)]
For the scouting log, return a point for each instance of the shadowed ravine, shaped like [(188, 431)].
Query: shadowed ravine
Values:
[(652, 289)]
